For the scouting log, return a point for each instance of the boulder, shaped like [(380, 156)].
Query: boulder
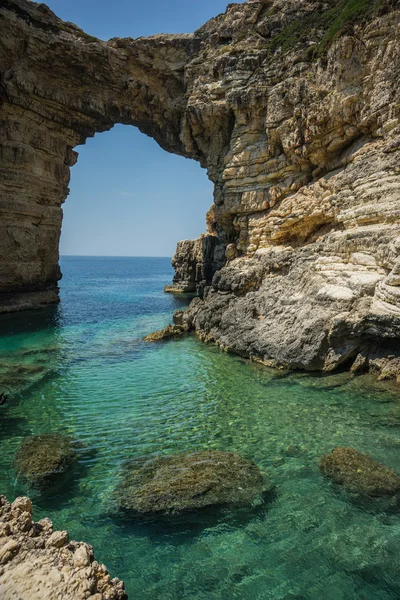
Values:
[(175, 484), (42, 460), (359, 473)]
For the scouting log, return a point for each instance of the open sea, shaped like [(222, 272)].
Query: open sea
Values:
[(83, 369)]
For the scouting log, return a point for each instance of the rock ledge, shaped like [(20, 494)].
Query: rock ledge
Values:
[(39, 564)]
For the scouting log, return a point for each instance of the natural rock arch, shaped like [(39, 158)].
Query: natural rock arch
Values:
[(58, 87), (294, 110)]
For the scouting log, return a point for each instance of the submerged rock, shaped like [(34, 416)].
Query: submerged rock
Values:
[(42, 460), (170, 485), (16, 377), (359, 473), (169, 331), (39, 564)]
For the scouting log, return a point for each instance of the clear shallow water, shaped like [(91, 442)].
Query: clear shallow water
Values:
[(83, 369)]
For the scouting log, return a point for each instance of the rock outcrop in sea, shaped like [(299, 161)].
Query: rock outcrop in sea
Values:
[(44, 460), (293, 108), (181, 483), (195, 262), (360, 474), (37, 563)]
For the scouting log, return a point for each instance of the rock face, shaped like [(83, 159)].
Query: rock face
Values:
[(195, 262), (294, 109), (170, 485), (43, 460), (359, 473), (39, 564)]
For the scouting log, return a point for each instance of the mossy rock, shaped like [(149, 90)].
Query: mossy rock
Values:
[(359, 474), (43, 460), (182, 483), (170, 331)]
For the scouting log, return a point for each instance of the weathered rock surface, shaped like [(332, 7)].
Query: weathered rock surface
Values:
[(170, 485), (39, 564), (294, 109), (195, 262), (359, 473), (43, 460), (170, 331), (309, 190)]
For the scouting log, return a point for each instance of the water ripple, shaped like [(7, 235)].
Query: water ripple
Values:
[(86, 371)]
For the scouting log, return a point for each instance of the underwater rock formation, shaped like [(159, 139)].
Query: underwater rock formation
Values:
[(358, 473), (171, 485), (16, 377), (293, 108), (43, 460), (39, 564)]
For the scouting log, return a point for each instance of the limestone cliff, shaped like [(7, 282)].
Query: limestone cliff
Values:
[(293, 106), (195, 262)]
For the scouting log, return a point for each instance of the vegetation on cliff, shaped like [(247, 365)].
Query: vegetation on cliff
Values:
[(328, 24)]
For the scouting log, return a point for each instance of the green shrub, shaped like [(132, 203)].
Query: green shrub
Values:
[(334, 22)]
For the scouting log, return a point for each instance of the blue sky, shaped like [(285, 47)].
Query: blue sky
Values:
[(128, 196)]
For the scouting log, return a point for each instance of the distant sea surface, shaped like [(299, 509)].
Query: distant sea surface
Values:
[(82, 368)]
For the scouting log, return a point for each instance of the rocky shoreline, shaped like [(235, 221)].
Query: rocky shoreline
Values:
[(41, 564)]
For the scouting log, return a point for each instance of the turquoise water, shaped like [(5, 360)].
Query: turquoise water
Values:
[(82, 368)]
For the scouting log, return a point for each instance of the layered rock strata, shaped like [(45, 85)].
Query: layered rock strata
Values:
[(294, 109), (195, 262), (37, 563)]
